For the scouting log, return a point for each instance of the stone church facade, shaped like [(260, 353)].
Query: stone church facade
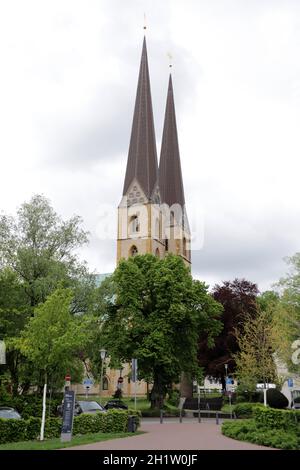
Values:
[(152, 215)]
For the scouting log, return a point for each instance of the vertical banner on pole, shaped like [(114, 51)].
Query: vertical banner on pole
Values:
[(68, 415)]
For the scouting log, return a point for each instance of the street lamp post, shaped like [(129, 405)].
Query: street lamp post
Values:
[(102, 354)]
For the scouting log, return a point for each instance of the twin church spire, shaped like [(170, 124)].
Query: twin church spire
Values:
[(149, 188), (142, 157)]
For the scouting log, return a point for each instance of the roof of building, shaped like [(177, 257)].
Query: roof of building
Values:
[(170, 175), (99, 278), (142, 157)]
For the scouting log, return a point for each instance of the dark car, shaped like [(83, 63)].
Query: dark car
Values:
[(88, 407), (118, 404), (9, 413)]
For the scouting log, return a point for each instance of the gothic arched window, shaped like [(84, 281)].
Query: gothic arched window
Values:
[(172, 218), (134, 224), (133, 251), (157, 253)]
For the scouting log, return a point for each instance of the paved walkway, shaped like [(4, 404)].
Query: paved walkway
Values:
[(189, 435)]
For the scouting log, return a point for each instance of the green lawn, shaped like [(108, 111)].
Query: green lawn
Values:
[(141, 402), (51, 444)]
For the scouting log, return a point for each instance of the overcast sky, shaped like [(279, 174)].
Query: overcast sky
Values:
[(67, 88)]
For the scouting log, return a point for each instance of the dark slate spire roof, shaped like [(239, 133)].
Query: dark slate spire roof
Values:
[(170, 177), (142, 157)]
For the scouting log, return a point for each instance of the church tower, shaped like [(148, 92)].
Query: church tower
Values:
[(176, 226), (151, 215), (139, 211)]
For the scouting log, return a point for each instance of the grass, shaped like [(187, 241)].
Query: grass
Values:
[(142, 404), (52, 444)]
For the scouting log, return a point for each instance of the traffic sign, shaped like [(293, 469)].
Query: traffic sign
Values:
[(290, 383), (88, 383)]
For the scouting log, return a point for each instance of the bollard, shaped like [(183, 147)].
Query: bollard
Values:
[(217, 417), (180, 416), (199, 416), (161, 416)]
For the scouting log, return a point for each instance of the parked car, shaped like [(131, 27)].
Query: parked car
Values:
[(90, 407), (80, 407), (120, 405), (9, 413)]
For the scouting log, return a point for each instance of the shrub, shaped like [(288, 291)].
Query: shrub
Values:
[(13, 430), (174, 397), (245, 410), (53, 427), (85, 423), (275, 399), (271, 418), (246, 430), (167, 412), (243, 396), (33, 427), (31, 405)]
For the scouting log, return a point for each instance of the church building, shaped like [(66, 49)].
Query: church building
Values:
[(152, 215)]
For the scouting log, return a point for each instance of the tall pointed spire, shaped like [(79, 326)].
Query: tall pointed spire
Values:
[(170, 176), (142, 157)]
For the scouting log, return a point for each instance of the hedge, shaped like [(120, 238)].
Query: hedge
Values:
[(31, 405), (271, 418), (13, 430), (245, 410), (247, 430)]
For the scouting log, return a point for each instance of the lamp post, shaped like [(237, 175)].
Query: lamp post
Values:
[(102, 354)]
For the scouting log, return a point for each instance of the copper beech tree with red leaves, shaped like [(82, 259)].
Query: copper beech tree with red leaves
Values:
[(238, 298)]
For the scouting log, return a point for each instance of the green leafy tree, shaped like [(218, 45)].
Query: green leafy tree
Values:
[(36, 256), (54, 339), (39, 246), (286, 316), (156, 315), (15, 312), (255, 358), (239, 301)]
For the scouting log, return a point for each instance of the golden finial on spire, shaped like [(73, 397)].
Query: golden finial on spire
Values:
[(170, 59), (145, 25)]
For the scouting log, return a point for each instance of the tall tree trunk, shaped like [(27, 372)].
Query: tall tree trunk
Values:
[(157, 393), (12, 363), (186, 386)]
